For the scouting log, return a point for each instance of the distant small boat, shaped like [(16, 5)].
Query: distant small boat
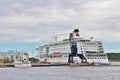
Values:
[(22, 64)]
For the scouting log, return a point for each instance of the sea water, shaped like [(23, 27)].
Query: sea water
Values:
[(61, 73)]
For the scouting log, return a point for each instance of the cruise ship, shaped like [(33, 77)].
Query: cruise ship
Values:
[(87, 50)]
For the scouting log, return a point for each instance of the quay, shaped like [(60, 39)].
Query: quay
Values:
[(55, 64), (66, 64), (38, 65), (46, 65)]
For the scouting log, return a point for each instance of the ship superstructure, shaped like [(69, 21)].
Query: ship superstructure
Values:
[(58, 51)]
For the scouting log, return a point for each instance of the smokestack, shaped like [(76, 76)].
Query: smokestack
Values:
[(76, 33)]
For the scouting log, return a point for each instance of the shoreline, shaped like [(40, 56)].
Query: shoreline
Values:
[(112, 63)]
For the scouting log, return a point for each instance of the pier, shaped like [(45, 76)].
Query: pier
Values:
[(67, 64), (38, 65)]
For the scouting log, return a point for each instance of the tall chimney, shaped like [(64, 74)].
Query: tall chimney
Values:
[(76, 33)]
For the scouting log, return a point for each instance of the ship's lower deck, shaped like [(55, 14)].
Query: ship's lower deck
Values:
[(64, 60)]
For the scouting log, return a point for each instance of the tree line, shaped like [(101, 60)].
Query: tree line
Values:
[(113, 56)]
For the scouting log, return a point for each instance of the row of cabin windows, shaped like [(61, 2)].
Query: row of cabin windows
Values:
[(96, 57), (65, 49), (91, 48), (90, 45), (59, 49), (68, 48)]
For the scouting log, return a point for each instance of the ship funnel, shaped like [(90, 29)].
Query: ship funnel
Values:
[(76, 33)]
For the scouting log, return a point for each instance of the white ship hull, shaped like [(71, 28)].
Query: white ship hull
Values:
[(64, 60)]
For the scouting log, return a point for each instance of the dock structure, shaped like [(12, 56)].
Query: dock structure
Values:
[(50, 65), (80, 64), (47, 65), (68, 64), (40, 65)]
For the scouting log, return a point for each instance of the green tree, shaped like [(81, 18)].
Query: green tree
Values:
[(114, 56), (33, 60)]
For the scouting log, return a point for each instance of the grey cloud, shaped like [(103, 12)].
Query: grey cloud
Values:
[(33, 21)]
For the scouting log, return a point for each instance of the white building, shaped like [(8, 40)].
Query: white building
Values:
[(14, 55)]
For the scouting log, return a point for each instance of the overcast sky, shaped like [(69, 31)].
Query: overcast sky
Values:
[(36, 21)]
